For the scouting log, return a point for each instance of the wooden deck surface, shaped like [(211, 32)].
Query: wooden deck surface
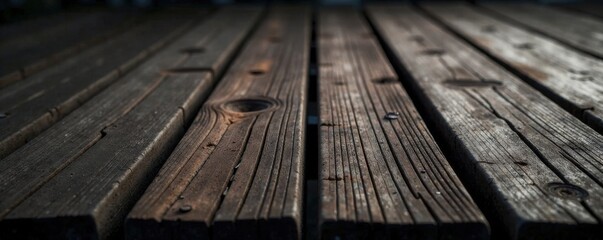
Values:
[(431, 121)]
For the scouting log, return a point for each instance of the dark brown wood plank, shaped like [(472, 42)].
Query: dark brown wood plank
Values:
[(34, 104), (380, 177), (23, 56), (91, 195), (572, 79), (577, 30), (536, 169), (238, 170), (81, 176)]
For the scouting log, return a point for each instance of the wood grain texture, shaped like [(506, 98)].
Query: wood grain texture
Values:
[(577, 30), (81, 176), (26, 54), (572, 79), (530, 164), (36, 103), (380, 178), (89, 197), (238, 172)]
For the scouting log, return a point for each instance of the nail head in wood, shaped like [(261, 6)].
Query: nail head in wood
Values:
[(185, 208), (392, 115)]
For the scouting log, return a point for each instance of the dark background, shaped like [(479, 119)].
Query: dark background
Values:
[(17, 10)]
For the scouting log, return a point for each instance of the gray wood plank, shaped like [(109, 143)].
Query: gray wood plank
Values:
[(533, 167), (23, 56), (572, 79), (237, 173), (577, 30), (35, 104), (81, 176), (380, 178)]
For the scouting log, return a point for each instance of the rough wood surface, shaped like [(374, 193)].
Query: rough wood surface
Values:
[(577, 30), (91, 195), (380, 178), (26, 54), (238, 172), (530, 164), (572, 79), (34, 104), (80, 177)]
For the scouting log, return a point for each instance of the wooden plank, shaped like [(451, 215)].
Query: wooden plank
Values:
[(73, 203), (81, 176), (23, 56), (533, 167), (570, 78), (577, 30), (34, 104), (380, 178), (238, 170)]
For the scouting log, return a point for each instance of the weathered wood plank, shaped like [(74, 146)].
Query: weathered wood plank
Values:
[(530, 164), (572, 79), (23, 56), (577, 30), (34, 104), (238, 170), (380, 178), (73, 203), (81, 176)]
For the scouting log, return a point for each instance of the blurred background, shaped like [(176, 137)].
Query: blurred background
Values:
[(16, 10)]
